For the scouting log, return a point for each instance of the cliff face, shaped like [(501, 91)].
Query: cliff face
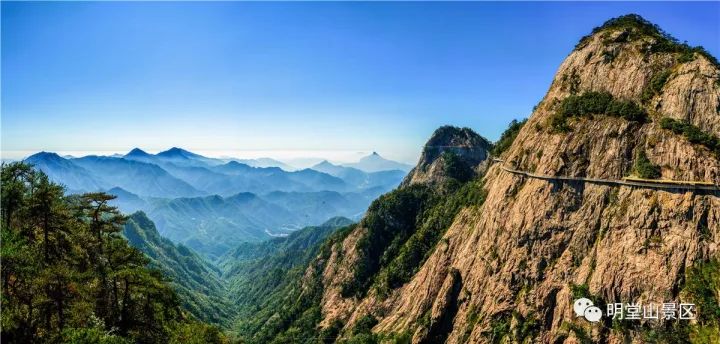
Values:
[(509, 266), (533, 240)]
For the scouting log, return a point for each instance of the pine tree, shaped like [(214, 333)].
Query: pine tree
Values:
[(69, 276)]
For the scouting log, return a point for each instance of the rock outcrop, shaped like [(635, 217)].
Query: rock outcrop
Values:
[(447, 142)]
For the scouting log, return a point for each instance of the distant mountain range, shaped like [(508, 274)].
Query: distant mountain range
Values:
[(213, 224), (265, 162), (360, 178), (212, 204)]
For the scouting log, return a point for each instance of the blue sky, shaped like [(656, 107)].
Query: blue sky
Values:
[(289, 79)]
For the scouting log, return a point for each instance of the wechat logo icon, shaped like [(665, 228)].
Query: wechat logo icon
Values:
[(584, 308)]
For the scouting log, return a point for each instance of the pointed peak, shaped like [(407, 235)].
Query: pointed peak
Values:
[(372, 156)]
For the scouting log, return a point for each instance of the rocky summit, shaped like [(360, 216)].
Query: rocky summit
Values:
[(449, 150)]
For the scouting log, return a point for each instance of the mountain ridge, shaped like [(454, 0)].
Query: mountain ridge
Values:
[(507, 254), (158, 183)]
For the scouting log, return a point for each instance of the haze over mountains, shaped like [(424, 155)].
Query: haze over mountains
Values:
[(213, 204)]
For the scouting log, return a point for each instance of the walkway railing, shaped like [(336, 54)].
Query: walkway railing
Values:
[(630, 181)]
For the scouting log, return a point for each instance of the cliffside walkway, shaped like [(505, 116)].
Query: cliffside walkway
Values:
[(637, 182)]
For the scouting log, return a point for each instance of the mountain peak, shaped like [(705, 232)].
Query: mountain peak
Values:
[(630, 20), (233, 166), (629, 28), (373, 155), (173, 151), (375, 163), (449, 136), (181, 156), (532, 207), (450, 149), (176, 152), (632, 62), (43, 155), (137, 152), (633, 26)]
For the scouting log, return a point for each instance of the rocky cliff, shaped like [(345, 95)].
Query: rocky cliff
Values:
[(517, 251)]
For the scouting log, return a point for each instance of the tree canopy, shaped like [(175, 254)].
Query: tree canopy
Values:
[(69, 276)]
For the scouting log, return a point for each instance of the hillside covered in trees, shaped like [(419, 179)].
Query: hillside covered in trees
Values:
[(69, 276)]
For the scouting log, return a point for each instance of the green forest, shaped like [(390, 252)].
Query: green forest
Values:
[(68, 275)]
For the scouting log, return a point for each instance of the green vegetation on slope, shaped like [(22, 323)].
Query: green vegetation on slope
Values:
[(212, 225), (636, 27), (255, 270), (456, 168), (69, 276), (399, 265), (197, 282), (595, 103), (692, 133), (702, 286), (644, 168), (403, 227), (508, 137), (291, 312), (362, 333), (390, 221), (654, 87)]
